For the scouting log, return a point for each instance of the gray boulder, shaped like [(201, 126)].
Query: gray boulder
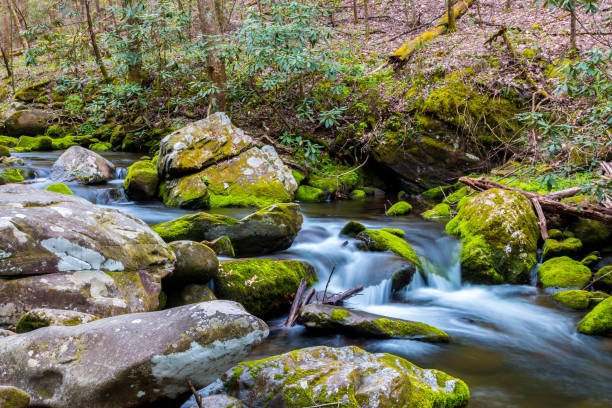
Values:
[(82, 165), (195, 263), (37, 318), (30, 122), (129, 360)]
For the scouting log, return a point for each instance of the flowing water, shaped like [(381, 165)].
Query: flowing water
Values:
[(510, 343)]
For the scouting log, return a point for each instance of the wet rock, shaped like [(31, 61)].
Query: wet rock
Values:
[(439, 211), (11, 175), (37, 318), (201, 144), (195, 263), (6, 333), (268, 230), (352, 229), (82, 165), (222, 246), (579, 299), (342, 320), (60, 188), (323, 375), (570, 247), (129, 360), (380, 240), (4, 151), (603, 279), (309, 194), (265, 287), (189, 294), (500, 233), (219, 401), (599, 320), (141, 180), (563, 272), (399, 208), (591, 259), (12, 397), (30, 122)]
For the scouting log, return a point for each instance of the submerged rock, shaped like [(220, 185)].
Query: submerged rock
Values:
[(380, 240), (268, 230), (599, 320), (37, 318), (129, 360), (349, 375), (570, 247), (341, 319), (195, 263), (141, 180), (399, 208), (500, 233), (579, 299), (82, 165), (563, 272), (12, 397), (263, 286)]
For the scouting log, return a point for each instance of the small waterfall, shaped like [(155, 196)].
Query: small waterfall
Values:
[(120, 172)]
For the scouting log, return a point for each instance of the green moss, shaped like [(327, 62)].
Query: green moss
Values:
[(358, 195), (439, 211), (308, 194), (5, 151), (352, 228), (27, 323), (11, 397), (11, 175), (263, 286), (60, 188), (456, 196), (65, 142), (378, 240), (298, 176), (8, 141), (563, 272), (438, 193), (141, 180), (399, 208), (603, 278), (190, 227), (100, 147), (555, 234), (340, 315), (395, 231), (117, 135), (579, 299), (55, 131), (570, 247), (593, 234), (412, 330), (39, 143), (591, 259), (599, 320), (31, 92)]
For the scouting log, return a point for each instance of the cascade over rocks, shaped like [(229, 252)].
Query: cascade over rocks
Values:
[(67, 253), (129, 360), (82, 165), (323, 375), (212, 163), (268, 230)]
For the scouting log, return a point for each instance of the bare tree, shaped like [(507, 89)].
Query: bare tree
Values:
[(94, 43), (208, 14)]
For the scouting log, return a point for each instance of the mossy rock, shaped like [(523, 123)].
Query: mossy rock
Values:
[(298, 176), (358, 195), (352, 229), (12, 397), (194, 227), (455, 197), (594, 234), (60, 188), (38, 144), (265, 287), (5, 151), (441, 210), (65, 142), (591, 259), (570, 247), (11, 175), (439, 192), (189, 294), (132, 143), (31, 92), (500, 233), (29, 122), (579, 299), (141, 180), (555, 234), (563, 272), (100, 147), (378, 240), (603, 278), (55, 131), (8, 141), (399, 208), (343, 320), (599, 320), (187, 192), (308, 194), (117, 136), (222, 246), (38, 318)]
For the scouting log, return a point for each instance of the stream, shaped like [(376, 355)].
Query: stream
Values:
[(511, 344)]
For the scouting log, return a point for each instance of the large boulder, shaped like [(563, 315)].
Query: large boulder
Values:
[(211, 163), (599, 320), (129, 360), (331, 318), (201, 144), (82, 165), (268, 230), (265, 287), (323, 375), (71, 254), (195, 263), (141, 180), (37, 318), (500, 234), (29, 122), (563, 272)]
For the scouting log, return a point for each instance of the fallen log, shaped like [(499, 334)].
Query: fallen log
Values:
[(541, 218), (295, 306), (334, 300), (590, 211)]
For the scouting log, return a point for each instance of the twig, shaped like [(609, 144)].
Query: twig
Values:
[(327, 284), (295, 306), (541, 218), (198, 397), (596, 280)]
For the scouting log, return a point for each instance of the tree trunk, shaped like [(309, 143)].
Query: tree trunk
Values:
[(94, 43), (17, 22), (209, 25), (7, 64), (366, 16), (134, 74), (5, 42), (355, 16), (573, 47), (508, 5), (450, 13)]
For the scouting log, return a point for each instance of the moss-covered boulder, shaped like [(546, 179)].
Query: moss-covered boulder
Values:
[(594, 234), (265, 287), (141, 180), (187, 192), (270, 229), (380, 241), (570, 247), (342, 320), (29, 122), (60, 188), (195, 263), (100, 147), (352, 229), (65, 142), (12, 397), (82, 165), (11, 175), (8, 141), (441, 210), (222, 246), (189, 294), (599, 320), (31, 92), (5, 151), (324, 375), (500, 233), (309, 194), (456, 196), (603, 279), (399, 208), (591, 259), (37, 144), (37, 318), (563, 272), (358, 195), (579, 299)]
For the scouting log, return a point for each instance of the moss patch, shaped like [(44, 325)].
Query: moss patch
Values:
[(599, 320), (60, 188), (399, 208), (352, 228), (439, 211), (190, 227), (29, 144), (570, 247), (603, 278), (141, 180), (578, 299), (308, 194), (12, 175), (378, 240), (563, 272)]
